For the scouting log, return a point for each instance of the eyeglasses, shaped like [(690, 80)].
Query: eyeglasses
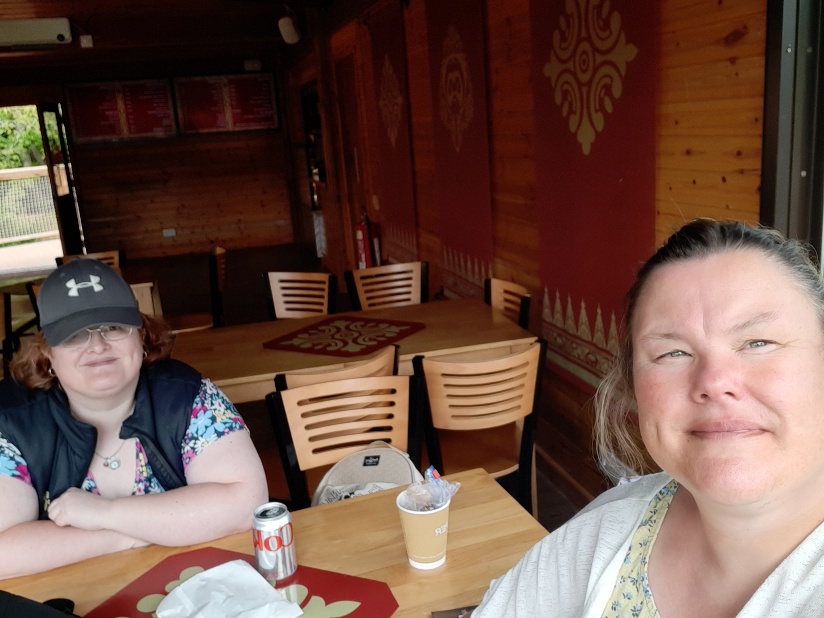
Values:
[(109, 332)]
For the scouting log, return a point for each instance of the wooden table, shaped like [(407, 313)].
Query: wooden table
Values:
[(234, 357), (488, 534)]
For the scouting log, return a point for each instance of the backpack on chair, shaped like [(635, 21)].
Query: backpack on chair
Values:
[(380, 466)]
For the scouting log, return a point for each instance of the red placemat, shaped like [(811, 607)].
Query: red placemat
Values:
[(315, 590), (345, 335)]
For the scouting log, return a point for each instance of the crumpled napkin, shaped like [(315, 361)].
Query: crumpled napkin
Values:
[(229, 590)]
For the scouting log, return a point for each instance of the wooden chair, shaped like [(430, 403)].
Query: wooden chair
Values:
[(497, 400), (301, 295), (148, 298), (384, 363), (392, 285), (112, 258), (511, 298), (320, 424)]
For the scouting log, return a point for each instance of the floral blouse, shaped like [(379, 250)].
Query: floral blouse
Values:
[(632, 597), (213, 416)]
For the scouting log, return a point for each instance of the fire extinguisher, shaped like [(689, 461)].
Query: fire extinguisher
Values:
[(363, 243)]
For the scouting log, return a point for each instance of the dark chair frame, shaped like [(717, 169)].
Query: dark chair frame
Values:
[(217, 280)]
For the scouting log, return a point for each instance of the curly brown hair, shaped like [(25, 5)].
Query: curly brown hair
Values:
[(31, 365)]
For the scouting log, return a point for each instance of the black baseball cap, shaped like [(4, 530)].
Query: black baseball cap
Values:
[(83, 293)]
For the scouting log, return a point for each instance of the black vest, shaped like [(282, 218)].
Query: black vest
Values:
[(58, 448)]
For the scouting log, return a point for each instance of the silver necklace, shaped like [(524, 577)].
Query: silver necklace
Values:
[(111, 462)]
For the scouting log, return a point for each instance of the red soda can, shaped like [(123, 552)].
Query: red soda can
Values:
[(274, 542)]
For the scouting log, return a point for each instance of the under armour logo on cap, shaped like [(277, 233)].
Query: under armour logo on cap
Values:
[(93, 283)]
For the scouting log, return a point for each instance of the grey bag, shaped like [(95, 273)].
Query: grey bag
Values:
[(380, 466)]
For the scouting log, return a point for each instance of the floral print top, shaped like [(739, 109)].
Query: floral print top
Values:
[(632, 597), (213, 416)]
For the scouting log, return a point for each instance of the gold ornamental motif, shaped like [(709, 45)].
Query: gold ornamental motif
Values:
[(391, 101), (455, 88), (587, 65)]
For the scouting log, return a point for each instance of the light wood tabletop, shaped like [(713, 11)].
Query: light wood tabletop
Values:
[(234, 357), (488, 533)]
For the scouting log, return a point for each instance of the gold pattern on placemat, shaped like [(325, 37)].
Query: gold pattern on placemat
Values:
[(391, 101), (587, 65), (455, 88), (345, 336)]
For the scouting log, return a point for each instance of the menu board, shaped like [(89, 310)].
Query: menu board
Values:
[(226, 103), (116, 110)]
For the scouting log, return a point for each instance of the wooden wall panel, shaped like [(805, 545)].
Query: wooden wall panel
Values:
[(423, 156), (509, 56), (219, 189), (710, 99)]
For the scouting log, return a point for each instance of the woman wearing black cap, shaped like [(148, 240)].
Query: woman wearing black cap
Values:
[(105, 442)]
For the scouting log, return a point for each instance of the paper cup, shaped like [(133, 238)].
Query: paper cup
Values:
[(424, 533)]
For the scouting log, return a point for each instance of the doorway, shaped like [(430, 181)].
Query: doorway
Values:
[(29, 229)]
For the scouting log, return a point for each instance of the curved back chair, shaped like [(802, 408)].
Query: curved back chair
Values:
[(320, 424), (392, 285), (497, 400), (384, 363), (511, 298), (302, 295)]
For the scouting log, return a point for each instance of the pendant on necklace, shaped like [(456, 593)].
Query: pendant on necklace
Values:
[(112, 463)]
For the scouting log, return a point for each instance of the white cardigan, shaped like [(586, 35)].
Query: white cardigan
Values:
[(572, 572)]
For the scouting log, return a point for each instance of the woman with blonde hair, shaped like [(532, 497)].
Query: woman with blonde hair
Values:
[(723, 363)]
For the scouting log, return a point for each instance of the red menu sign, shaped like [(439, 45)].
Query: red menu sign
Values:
[(117, 110), (226, 103)]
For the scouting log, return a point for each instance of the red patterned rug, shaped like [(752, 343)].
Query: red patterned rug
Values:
[(345, 335)]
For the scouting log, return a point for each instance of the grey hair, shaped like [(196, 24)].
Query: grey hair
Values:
[(615, 432)]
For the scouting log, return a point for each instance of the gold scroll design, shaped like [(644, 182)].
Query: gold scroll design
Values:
[(587, 65), (585, 352), (457, 102), (391, 101)]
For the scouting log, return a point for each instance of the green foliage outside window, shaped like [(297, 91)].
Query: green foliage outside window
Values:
[(20, 142)]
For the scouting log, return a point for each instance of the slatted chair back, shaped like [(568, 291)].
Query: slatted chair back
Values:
[(384, 363), (511, 298), (302, 295), (392, 285), (320, 424), (478, 396)]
